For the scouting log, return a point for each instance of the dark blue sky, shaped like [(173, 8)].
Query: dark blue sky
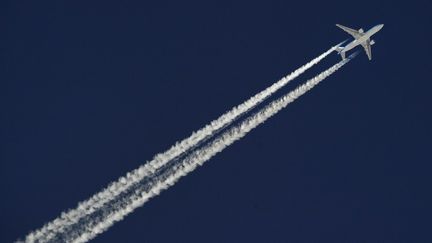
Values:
[(92, 89)]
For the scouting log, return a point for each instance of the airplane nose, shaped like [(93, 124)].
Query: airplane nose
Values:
[(381, 25)]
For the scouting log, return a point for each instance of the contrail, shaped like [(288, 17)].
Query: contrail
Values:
[(96, 226), (49, 230)]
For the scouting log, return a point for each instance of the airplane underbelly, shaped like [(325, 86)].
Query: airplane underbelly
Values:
[(350, 46)]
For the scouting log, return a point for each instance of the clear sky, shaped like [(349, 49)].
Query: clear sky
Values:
[(92, 89)]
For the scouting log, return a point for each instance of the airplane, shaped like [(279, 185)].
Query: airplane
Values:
[(360, 38)]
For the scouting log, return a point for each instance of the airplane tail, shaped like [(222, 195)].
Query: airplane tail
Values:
[(338, 46), (339, 49)]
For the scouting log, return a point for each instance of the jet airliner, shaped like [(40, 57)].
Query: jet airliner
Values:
[(360, 38)]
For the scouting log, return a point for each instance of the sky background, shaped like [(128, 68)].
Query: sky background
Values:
[(92, 89)]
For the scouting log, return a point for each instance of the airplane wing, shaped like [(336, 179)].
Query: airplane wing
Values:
[(356, 34), (367, 47)]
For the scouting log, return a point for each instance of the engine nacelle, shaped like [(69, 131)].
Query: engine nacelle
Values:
[(372, 42), (360, 30)]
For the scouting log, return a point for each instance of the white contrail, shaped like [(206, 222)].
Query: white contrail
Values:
[(198, 157), (98, 200)]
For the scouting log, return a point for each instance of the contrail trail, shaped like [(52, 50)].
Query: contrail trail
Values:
[(98, 200), (96, 226)]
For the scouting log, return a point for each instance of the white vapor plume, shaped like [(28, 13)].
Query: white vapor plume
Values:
[(89, 206), (95, 226)]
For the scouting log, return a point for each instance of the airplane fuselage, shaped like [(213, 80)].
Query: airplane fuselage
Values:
[(363, 38)]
